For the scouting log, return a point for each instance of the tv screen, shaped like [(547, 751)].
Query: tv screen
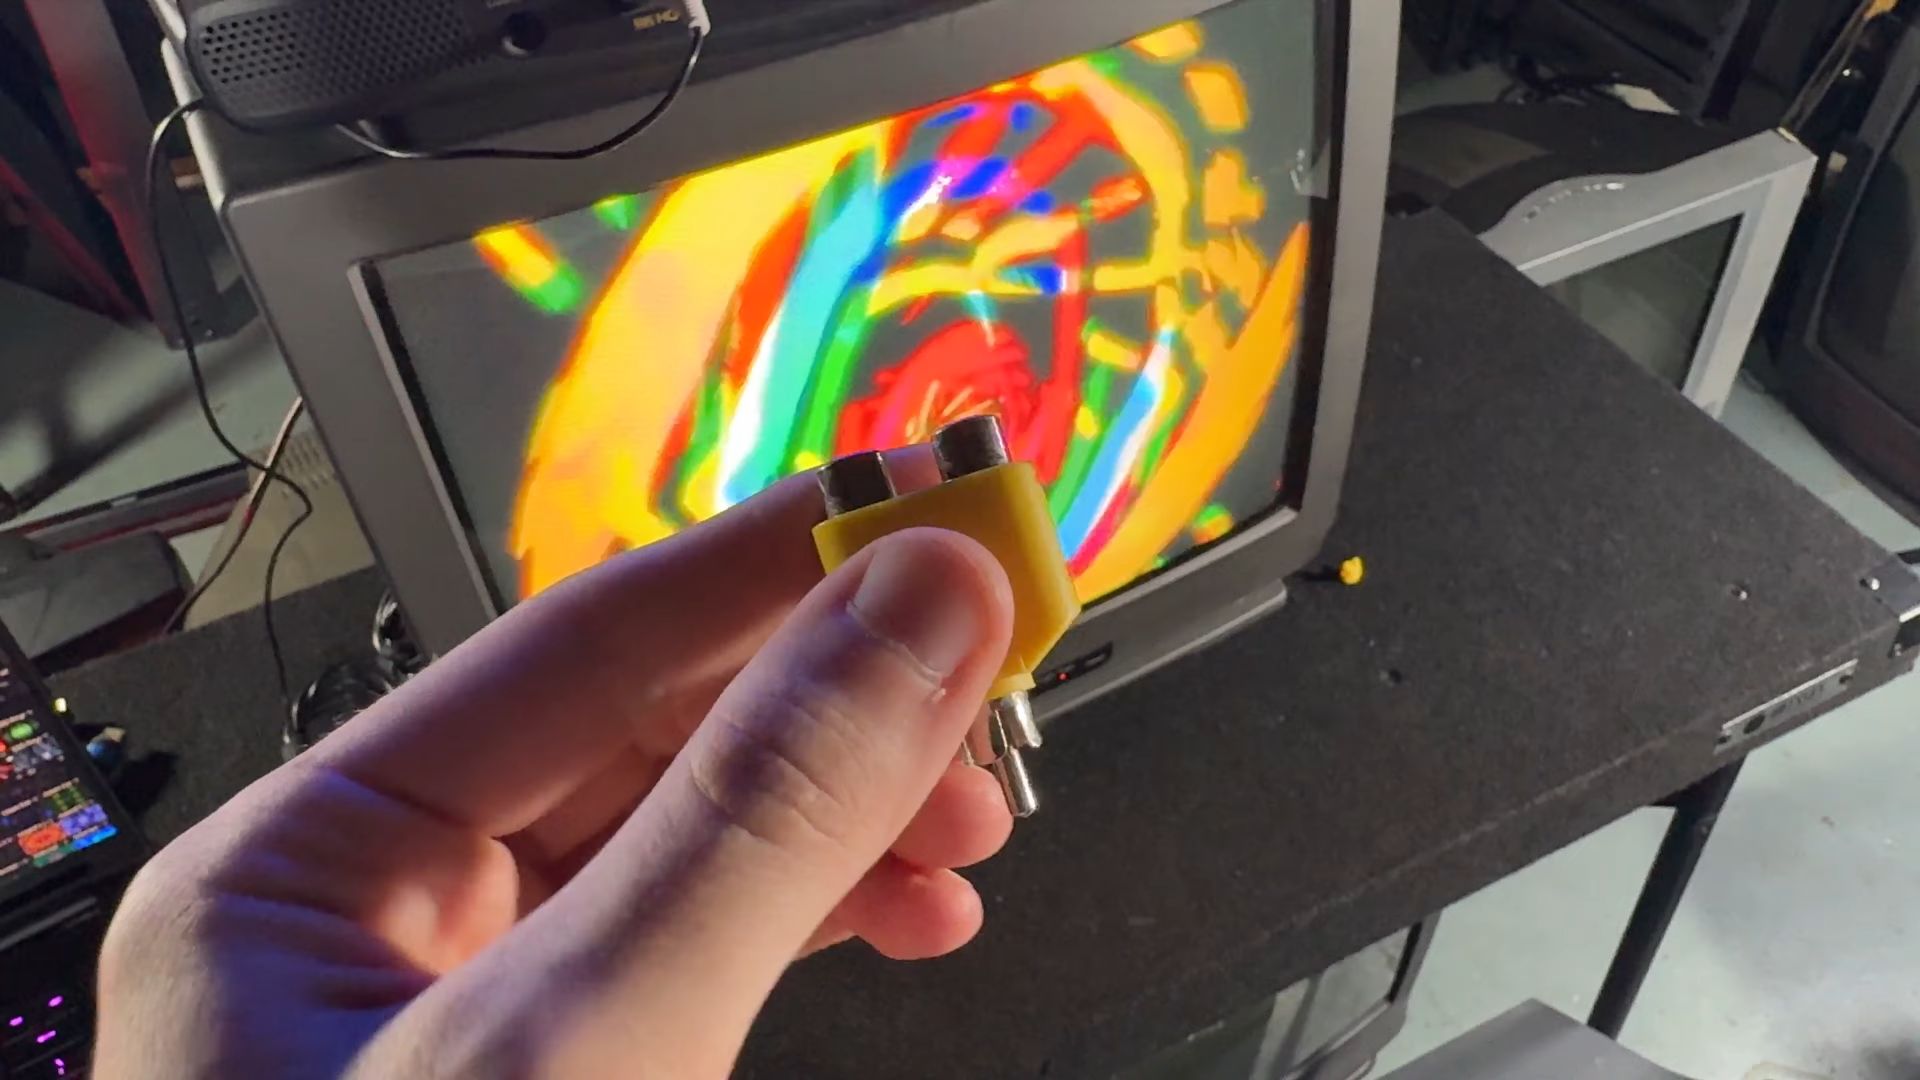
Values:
[(1655, 303), (1110, 253)]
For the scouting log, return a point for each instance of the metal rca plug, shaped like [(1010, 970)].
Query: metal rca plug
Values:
[(999, 503), (961, 449)]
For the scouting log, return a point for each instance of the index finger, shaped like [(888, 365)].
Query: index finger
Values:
[(626, 655), (502, 728)]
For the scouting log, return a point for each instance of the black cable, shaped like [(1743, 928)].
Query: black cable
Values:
[(269, 468), (204, 396), (256, 494), (266, 608), (502, 153)]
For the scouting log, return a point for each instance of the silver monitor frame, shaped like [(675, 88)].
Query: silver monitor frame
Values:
[(306, 219), (1572, 226)]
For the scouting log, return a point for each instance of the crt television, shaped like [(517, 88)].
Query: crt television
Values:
[(1673, 266), (1663, 234), (1143, 232)]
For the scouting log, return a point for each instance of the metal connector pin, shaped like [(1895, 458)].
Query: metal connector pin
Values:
[(1015, 713), (962, 448), (1015, 784), (853, 482), (992, 746), (968, 446)]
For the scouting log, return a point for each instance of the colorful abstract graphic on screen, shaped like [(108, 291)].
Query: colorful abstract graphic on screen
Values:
[(1086, 252)]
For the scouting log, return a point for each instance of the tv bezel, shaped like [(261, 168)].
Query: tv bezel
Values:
[(1573, 226), (305, 234)]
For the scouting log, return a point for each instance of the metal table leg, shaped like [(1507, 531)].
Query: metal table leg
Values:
[(1695, 812)]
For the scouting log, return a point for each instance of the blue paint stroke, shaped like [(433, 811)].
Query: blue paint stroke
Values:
[(1100, 484), (981, 179), (954, 115)]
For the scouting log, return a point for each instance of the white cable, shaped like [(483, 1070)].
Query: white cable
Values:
[(697, 16)]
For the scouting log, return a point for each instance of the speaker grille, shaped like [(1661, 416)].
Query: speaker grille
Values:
[(271, 60)]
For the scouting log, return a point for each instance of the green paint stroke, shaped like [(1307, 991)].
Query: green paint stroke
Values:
[(827, 398), (1107, 63), (1156, 450), (619, 212), (851, 325), (1212, 519), (703, 441), (1081, 449), (839, 189), (562, 292)]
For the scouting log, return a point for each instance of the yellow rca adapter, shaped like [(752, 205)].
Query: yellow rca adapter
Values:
[(1000, 504)]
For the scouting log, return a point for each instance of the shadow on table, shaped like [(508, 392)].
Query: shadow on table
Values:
[(144, 778)]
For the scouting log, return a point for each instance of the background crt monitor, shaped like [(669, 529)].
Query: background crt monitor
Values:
[(1111, 253)]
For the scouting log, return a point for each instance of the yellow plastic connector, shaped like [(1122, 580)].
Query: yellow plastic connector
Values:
[(1005, 510)]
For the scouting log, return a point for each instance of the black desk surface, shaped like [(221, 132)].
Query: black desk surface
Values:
[(1575, 578)]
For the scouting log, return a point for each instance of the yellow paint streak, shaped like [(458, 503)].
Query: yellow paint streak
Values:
[(1219, 95), (1171, 45), (1085, 424), (1150, 140), (1020, 239), (1235, 263), (1224, 417), (641, 356), (901, 287), (1228, 197), (700, 495), (1169, 315), (1126, 277), (964, 228), (921, 222), (521, 258), (628, 512), (1207, 340), (1172, 400), (1106, 347)]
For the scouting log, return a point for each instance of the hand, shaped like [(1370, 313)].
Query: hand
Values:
[(590, 840)]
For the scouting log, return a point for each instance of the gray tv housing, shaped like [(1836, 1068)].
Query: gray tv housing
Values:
[(305, 217)]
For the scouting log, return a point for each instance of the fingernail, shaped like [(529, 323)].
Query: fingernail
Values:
[(910, 598)]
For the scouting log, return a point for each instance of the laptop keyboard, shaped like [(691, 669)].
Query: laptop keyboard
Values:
[(46, 1033)]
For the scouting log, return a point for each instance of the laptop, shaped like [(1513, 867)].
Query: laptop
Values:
[(67, 850)]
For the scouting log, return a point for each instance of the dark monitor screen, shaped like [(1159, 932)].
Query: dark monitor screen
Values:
[(1654, 304), (50, 806), (1110, 253)]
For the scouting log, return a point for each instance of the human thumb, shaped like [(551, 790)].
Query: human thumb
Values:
[(808, 768)]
